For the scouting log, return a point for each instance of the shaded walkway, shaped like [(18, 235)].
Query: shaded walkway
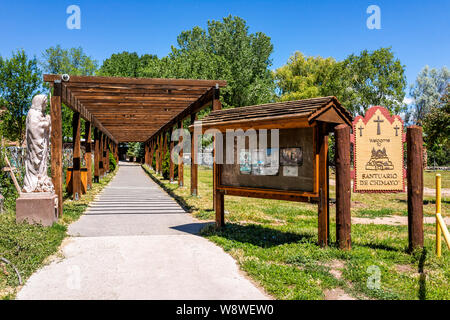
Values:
[(135, 242)]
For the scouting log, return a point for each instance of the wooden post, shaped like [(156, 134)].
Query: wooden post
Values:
[(88, 145), (343, 186), (107, 154), (96, 155), (146, 153), (57, 144), (104, 155), (414, 142), (218, 196), (160, 153), (150, 163), (180, 158), (194, 166), (171, 164), (322, 149), (164, 150), (100, 155), (216, 105), (76, 172)]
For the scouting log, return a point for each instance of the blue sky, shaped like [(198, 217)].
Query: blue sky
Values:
[(418, 31)]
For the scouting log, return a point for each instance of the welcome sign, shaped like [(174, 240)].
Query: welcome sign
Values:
[(378, 152)]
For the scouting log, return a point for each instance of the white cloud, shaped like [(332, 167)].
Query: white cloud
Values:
[(408, 101)]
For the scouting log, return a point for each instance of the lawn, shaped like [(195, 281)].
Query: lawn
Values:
[(274, 242), (29, 246)]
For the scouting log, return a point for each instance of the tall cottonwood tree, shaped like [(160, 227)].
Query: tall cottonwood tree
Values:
[(226, 50), (20, 80), (73, 61), (359, 81), (427, 92), (125, 64)]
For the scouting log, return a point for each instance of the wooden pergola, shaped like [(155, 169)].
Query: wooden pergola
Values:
[(124, 110)]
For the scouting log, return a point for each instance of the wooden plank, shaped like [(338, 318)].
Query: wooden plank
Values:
[(414, 142), (196, 106), (267, 194), (276, 122), (13, 176), (88, 139), (56, 144), (123, 80), (323, 206), (76, 173), (343, 187)]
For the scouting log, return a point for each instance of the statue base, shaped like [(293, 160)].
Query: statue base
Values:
[(37, 208)]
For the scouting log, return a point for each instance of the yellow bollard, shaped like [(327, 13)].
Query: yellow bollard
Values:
[(438, 211)]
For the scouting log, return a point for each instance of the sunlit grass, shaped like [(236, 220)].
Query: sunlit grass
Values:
[(275, 242)]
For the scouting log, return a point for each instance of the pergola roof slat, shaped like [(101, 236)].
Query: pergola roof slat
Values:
[(134, 109)]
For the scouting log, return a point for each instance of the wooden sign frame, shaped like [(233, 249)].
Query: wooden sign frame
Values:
[(368, 116), (324, 115), (271, 193)]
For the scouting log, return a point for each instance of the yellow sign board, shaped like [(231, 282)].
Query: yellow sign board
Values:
[(378, 152)]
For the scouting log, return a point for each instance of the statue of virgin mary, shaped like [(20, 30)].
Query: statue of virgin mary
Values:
[(38, 128)]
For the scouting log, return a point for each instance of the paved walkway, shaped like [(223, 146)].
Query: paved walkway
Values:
[(136, 242)]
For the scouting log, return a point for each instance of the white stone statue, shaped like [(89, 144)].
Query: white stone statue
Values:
[(38, 140)]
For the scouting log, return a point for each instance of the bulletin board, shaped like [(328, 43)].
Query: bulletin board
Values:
[(291, 167)]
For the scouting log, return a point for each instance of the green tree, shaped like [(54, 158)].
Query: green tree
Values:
[(227, 51), (304, 77), (125, 64), (73, 61), (20, 80), (359, 81), (372, 78), (428, 91), (436, 125)]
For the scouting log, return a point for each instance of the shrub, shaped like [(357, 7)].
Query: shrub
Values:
[(166, 167), (112, 162)]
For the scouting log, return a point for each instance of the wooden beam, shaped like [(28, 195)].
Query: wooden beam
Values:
[(57, 144), (171, 164), (88, 144), (101, 164), (123, 80), (97, 155), (343, 187), (216, 105), (322, 150), (196, 106), (180, 158), (194, 166), (73, 103), (76, 169), (414, 154)]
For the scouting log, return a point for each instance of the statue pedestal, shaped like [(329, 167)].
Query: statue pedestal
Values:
[(37, 208)]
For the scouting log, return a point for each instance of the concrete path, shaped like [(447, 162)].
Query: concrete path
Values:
[(136, 242)]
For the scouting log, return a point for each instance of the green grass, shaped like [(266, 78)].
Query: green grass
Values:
[(275, 243), (368, 213), (28, 246), (429, 179)]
